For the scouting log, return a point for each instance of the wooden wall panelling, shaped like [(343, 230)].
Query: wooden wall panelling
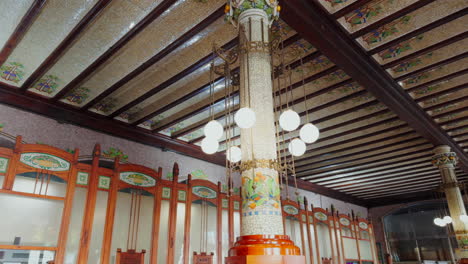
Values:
[(309, 217), (88, 219), (357, 235), (303, 221), (188, 218), (156, 219), (219, 224), (13, 158), (330, 234), (110, 214), (231, 219), (172, 217), (373, 243), (335, 231), (67, 208), (317, 249)]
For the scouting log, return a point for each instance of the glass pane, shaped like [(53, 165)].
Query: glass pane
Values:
[(180, 233), (33, 182), (365, 250), (14, 256), (350, 248), (98, 227), (404, 250), (17, 212), (120, 235), (2, 178), (237, 217), (76, 222), (211, 233), (435, 249), (323, 240), (163, 231), (225, 230)]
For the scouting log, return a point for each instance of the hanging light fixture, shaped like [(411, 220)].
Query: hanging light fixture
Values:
[(309, 133), (245, 117), (447, 219), (214, 130), (234, 154), (289, 120), (209, 145), (297, 147), (438, 221)]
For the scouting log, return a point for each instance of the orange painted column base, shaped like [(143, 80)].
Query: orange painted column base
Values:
[(258, 249), (463, 261)]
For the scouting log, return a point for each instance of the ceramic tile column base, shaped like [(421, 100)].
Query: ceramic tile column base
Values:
[(271, 249)]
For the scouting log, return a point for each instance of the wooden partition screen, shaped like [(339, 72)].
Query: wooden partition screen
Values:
[(90, 209)]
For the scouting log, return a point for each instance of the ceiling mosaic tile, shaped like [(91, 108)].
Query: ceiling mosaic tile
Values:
[(437, 87), (372, 12), (14, 11), (425, 40), (52, 25), (334, 5), (172, 24), (113, 23), (430, 58), (411, 22)]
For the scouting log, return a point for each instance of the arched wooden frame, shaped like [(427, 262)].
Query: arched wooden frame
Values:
[(330, 233), (217, 201), (352, 227), (15, 166), (297, 216), (117, 184), (361, 228)]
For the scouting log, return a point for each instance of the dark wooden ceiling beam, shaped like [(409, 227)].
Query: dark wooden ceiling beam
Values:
[(312, 22), (426, 50), (66, 43), (419, 31), (433, 66), (142, 24), (162, 54), (390, 18), (21, 29)]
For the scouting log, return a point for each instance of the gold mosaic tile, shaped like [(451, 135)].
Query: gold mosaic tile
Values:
[(179, 19), (112, 24), (13, 12), (430, 58), (51, 26), (372, 12), (411, 22), (425, 40)]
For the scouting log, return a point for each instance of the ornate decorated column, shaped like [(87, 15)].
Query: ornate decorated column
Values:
[(262, 237), (446, 161)]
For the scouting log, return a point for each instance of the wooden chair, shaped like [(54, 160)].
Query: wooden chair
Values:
[(130, 257), (202, 258)]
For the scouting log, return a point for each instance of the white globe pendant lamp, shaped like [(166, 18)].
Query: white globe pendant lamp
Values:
[(234, 154), (245, 117), (437, 221), (213, 130), (447, 219), (209, 145), (289, 120), (464, 218), (309, 133), (297, 147)]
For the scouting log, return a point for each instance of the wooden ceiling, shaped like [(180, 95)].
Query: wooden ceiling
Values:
[(386, 81)]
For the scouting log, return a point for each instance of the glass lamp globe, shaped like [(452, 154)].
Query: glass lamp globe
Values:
[(437, 221), (443, 224), (209, 145), (447, 219), (234, 154), (213, 129), (245, 117), (289, 120), (309, 133), (464, 218), (297, 147)]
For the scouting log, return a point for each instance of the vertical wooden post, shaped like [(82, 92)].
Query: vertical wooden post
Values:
[(219, 224), (301, 223), (331, 236), (110, 215), (356, 235), (188, 218), (231, 218), (319, 261), (341, 237), (172, 215), (335, 229), (11, 172), (67, 209), (309, 236), (88, 219), (156, 219)]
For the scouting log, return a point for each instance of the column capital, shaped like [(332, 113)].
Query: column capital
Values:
[(443, 156), (234, 8)]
